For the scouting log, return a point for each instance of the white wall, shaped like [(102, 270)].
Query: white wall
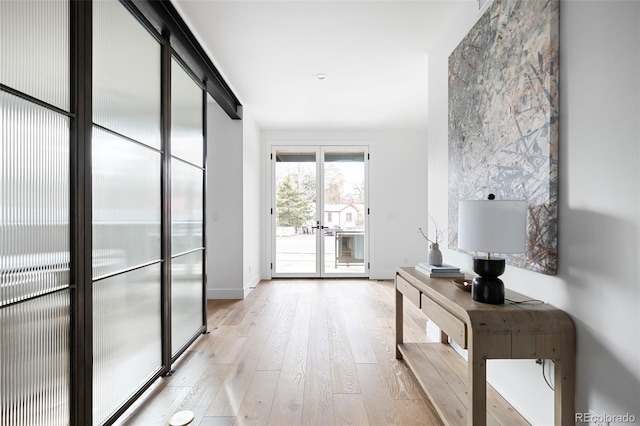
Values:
[(233, 204), (225, 278), (252, 212), (599, 209), (397, 191)]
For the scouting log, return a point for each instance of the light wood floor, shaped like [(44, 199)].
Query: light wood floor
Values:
[(310, 352)]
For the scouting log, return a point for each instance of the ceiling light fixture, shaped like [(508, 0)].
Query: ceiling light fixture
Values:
[(321, 76)]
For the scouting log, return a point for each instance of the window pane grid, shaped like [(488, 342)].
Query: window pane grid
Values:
[(127, 207), (187, 190), (36, 210)]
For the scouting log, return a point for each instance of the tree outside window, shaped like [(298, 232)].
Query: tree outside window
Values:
[(294, 208)]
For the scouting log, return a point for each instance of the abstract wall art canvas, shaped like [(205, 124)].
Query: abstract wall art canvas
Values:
[(503, 121)]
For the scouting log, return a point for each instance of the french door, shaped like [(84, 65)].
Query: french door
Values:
[(320, 211)]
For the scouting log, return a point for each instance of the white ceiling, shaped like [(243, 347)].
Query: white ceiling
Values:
[(374, 54)]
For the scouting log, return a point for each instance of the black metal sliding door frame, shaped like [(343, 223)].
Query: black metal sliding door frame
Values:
[(81, 368), (203, 87), (165, 216), (167, 359), (164, 17), (166, 204), (161, 17), (204, 211), (81, 226)]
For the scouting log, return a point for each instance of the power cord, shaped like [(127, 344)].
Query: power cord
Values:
[(542, 362), (535, 301)]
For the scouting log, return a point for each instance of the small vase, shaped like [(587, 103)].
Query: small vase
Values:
[(435, 255)]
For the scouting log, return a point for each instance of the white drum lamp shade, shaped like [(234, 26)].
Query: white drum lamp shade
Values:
[(492, 226)]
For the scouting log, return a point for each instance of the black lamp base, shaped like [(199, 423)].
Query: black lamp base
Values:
[(488, 290), (487, 287)]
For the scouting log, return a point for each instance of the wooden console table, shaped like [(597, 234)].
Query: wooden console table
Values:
[(509, 331)]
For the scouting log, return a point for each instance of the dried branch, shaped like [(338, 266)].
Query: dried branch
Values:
[(439, 233), (424, 236)]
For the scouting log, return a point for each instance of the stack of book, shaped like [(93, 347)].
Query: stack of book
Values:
[(442, 271)]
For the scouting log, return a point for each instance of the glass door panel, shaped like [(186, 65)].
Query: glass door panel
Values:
[(344, 212), (294, 216), (126, 208), (320, 215), (35, 213)]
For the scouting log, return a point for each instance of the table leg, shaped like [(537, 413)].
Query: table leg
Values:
[(564, 391), (477, 388), (399, 322), (565, 375)]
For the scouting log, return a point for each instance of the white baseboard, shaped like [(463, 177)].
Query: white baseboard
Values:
[(382, 275), (253, 281), (233, 293), (225, 293), (252, 284)]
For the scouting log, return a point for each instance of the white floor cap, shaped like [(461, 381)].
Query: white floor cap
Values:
[(181, 418)]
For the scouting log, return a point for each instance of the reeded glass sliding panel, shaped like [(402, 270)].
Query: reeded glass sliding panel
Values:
[(34, 214), (186, 207), (186, 116), (34, 49), (126, 207), (34, 200), (187, 188), (126, 204), (34, 361), (126, 74), (186, 298), (126, 337)]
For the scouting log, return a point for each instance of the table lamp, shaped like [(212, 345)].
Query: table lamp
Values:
[(491, 226)]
